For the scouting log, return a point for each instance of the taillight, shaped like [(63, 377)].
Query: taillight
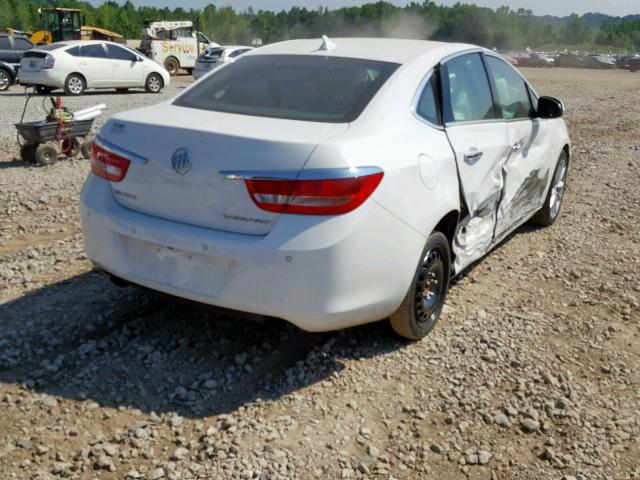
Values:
[(323, 196), (49, 61), (108, 165)]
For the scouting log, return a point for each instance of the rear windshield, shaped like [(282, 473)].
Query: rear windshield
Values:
[(213, 53), (52, 46), (297, 87)]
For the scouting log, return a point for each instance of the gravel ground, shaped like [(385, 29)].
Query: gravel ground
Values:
[(533, 372)]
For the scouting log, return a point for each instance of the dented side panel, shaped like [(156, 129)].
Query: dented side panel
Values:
[(481, 151), (525, 174)]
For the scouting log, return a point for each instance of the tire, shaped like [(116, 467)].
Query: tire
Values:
[(43, 89), (172, 65), (28, 152), (85, 149), (550, 211), (422, 306), (154, 83), (5, 80), (70, 147), (46, 154), (74, 85)]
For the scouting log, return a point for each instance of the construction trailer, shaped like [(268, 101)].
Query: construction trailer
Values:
[(174, 44)]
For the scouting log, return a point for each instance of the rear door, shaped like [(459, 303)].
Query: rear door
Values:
[(7, 53), (529, 163), (94, 65), (126, 71), (480, 140)]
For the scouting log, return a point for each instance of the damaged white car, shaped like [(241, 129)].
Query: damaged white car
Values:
[(329, 183)]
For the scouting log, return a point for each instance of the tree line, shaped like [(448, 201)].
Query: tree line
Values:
[(502, 28)]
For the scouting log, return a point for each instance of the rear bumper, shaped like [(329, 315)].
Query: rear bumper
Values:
[(48, 78), (319, 273)]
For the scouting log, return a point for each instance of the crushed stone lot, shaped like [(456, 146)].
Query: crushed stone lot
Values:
[(532, 373)]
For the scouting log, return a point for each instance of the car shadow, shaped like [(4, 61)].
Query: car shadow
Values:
[(86, 339)]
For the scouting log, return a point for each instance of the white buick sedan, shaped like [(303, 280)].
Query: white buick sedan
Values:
[(328, 183), (79, 65)]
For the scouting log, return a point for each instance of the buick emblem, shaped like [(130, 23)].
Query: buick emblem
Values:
[(181, 161)]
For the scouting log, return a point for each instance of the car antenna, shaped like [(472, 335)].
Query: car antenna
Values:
[(327, 44)]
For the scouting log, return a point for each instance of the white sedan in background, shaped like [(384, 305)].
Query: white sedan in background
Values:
[(79, 65), (327, 183), (215, 57)]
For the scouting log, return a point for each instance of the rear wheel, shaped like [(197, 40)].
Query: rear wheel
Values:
[(172, 65), (548, 214), (421, 308), (28, 152), (154, 83), (74, 85), (5, 80), (46, 154)]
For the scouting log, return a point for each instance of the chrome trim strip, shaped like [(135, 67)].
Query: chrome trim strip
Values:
[(310, 174), (133, 157)]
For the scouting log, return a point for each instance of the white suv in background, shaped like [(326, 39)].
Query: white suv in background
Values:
[(215, 57), (79, 65)]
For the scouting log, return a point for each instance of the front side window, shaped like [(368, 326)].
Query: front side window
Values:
[(119, 53), (427, 106), (467, 94), (4, 43), (511, 89), (94, 50), (296, 87)]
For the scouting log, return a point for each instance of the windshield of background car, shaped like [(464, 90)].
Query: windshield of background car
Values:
[(296, 87)]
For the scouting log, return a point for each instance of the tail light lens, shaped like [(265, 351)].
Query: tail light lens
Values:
[(49, 61), (108, 165), (331, 196)]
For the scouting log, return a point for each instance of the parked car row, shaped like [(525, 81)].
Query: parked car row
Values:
[(76, 66), (596, 61)]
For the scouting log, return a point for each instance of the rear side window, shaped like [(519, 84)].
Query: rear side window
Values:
[(297, 87), (428, 104), (4, 43), (75, 51), (467, 94), (511, 89), (94, 50)]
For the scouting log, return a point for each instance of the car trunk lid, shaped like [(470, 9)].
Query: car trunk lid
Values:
[(199, 194)]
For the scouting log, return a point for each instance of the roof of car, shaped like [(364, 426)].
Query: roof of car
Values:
[(382, 49)]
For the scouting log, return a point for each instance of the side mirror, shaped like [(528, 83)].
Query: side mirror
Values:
[(139, 59), (549, 107)]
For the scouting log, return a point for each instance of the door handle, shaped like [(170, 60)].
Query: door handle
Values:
[(516, 146), (472, 156)]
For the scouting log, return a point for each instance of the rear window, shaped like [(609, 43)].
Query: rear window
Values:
[(53, 46), (297, 87)]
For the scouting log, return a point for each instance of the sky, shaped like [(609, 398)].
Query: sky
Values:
[(539, 7)]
